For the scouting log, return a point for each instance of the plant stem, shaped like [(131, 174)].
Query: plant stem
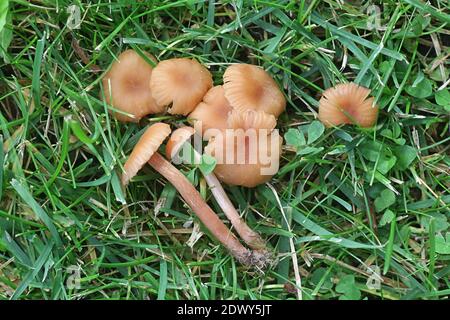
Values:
[(250, 237), (204, 212)]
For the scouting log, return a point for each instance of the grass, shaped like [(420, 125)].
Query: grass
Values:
[(351, 206)]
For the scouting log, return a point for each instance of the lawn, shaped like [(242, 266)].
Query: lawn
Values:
[(352, 213)]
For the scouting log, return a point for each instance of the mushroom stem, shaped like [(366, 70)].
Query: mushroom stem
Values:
[(205, 213), (250, 237)]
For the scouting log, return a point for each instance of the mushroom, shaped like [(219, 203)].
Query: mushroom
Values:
[(347, 103), (250, 87), (212, 113), (125, 87), (177, 141), (147, 145), (247, 154), (145, 151), (180, 82)]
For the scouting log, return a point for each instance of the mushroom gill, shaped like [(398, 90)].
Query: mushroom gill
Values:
[(347, 103)]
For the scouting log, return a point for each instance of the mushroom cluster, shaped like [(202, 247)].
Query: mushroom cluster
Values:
[(237, 119)]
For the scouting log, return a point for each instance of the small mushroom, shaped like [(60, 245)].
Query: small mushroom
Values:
[(145, 151), (247, 154), (347, 103), (125, 87), (177, 140), (212, 112), (250, 87), (181, 83), (147, 145)]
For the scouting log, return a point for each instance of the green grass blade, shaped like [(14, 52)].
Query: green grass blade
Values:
[(37, 209)]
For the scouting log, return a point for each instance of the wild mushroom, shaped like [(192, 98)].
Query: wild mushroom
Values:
[(250, 87), (147, 145), (145, 151), (180, 82), (125, 87), (247, 157), (177, 141), (347, 103), (212, 113)]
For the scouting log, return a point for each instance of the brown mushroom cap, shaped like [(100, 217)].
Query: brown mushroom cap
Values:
[(347, 103), (129, 78), (177, 139), (212, 112), (181, 82), (243, 170), (249, 119), (147, 145), (250, 87)]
